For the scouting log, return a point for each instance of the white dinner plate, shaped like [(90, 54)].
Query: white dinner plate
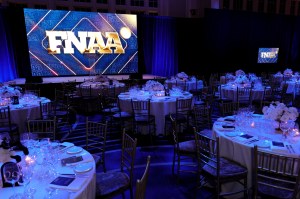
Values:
[(74, 149), (84, 167), (232, 133), (263, 143)]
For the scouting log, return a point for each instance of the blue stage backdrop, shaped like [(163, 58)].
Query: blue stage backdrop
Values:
[(67, 43)]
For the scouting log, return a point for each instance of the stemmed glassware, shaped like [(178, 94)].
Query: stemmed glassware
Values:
[(285, 126), (27, 173), (12, 175)]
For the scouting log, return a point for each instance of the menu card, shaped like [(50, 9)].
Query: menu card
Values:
[(71, 160), (62, 181), (68, 183), (278, 147)]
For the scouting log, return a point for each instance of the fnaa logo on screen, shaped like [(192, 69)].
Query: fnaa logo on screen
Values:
[(88, 42), (267, 55)]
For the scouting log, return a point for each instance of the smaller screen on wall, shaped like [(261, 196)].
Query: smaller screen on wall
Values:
[(267, 55)]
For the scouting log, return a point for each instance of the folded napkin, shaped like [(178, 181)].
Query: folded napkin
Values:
[(278, 147), (68, 183), (224, 127)]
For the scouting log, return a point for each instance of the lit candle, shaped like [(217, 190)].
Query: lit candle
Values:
[(296, 132), (29, 160)]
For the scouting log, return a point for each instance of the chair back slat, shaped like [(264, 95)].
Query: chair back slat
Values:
[(42, 127), (275, 172)]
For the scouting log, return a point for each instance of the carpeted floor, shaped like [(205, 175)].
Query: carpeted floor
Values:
[(161, 182)]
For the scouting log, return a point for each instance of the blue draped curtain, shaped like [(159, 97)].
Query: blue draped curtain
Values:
[(8, 70), (159, 45)]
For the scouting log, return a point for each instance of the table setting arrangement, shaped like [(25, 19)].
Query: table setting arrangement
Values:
[(50, 169), (274, 130), (155, 91)]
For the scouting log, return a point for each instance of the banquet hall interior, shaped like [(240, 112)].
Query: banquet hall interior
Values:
[(193, 92)]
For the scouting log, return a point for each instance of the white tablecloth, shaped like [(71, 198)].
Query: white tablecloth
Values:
[(97, 87), (230, 92), (159, 107), (26, 109), (237, 148), (88, 179), (189, 85)]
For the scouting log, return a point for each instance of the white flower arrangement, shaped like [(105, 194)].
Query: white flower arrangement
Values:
[(8, 91), (229, 77), (280, 112), (288, 72), (241, 79), (182, 76), (239, 72), (152, 85)]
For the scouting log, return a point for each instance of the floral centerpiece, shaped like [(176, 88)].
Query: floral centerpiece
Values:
[(9, 91), (288, 72), (101, 78), (242, 79), (239, 72), (229, 77), (280, 112), (182, 76), (152, 85)]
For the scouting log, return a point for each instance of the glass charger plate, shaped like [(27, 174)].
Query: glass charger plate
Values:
[(74, 149), (263, 144), (231, 133), (82, 168)]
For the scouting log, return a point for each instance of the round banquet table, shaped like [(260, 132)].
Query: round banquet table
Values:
[(28, 108), (85, 180), (159, 106), (97, 87), (189, 85), (230, 92), (237, 144)]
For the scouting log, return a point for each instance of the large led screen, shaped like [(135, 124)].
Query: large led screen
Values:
[(267, 55), (68, 43)]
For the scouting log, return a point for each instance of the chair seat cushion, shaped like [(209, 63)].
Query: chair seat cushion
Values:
[(6, 128), (228, 169), (111, 110), (187, 146), (110, 183), (122, 114), (273, 192)]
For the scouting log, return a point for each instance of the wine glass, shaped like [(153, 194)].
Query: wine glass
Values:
[(27, 173), (285, 126), (12, 175)]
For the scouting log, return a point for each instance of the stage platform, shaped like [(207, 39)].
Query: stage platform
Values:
[(48, 80)]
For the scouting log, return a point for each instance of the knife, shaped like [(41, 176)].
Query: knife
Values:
[(292, 149)]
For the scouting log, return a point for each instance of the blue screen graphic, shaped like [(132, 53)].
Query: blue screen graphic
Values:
[(70, 43), (267, 55)]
